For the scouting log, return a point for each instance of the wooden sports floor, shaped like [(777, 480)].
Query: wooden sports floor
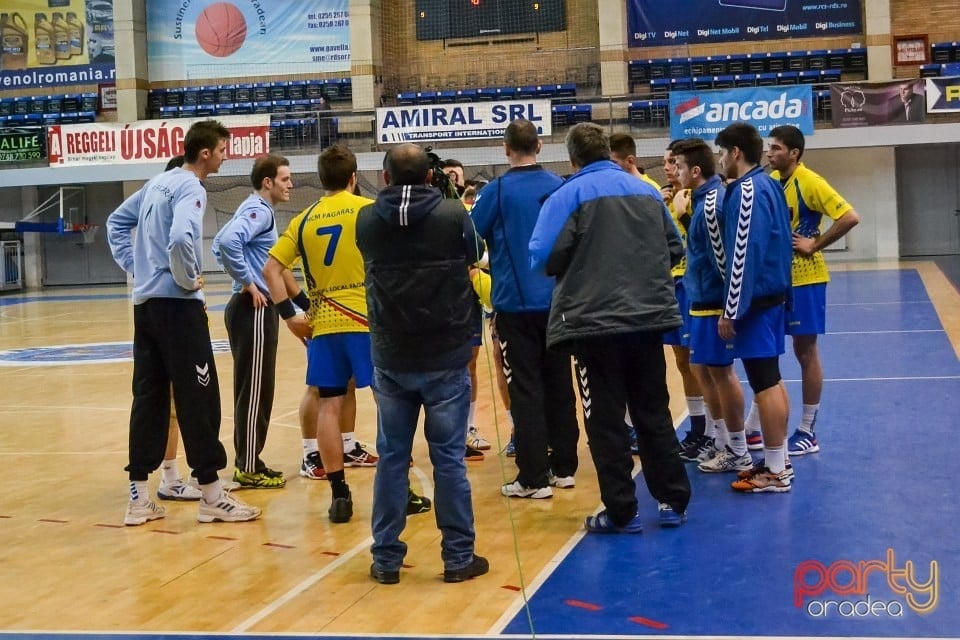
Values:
[(885, 480)]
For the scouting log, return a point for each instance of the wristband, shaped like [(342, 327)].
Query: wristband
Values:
[(302, 301), (286, 309)]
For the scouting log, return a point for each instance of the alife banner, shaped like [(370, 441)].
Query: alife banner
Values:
[(679, 22), (461, 121), (148, 140), (211, 39), (943, 95), (53, 43), (21, 145), (865, 104), (704, 114)]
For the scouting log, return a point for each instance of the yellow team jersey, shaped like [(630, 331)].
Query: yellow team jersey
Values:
[(682, 220), (650, 181), (810, 197), (323, 236)]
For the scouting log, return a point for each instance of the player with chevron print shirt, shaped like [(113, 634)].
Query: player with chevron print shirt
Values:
[(757, 242)]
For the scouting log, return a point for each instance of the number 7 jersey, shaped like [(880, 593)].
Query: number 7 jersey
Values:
[(323, 237)]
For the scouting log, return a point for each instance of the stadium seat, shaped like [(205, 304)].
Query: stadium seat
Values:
[(930, 70), (788, 77), (745, 80), (407, 98), (723, 82)]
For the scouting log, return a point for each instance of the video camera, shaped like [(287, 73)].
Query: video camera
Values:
[(441, 180)]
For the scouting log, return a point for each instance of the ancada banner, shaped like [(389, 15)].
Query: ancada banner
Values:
[(866, 104), (943, 95), (704, 114), (148, 140), (460, 121), (697, 21), (21, 145)]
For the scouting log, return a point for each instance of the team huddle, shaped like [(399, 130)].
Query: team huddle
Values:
[(604, 267)]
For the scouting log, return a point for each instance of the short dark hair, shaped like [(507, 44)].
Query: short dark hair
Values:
[(587, 142), (697, 153), (205, 134), (623, 145), (408, 164), (745, 137), (335, 166), (450, 162), (266, 167), (790, 136), (175, 162), (672, 145), (521, 136)]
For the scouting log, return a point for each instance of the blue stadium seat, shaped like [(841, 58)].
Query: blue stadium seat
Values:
[(207, 96), (260, 92), (702, 83), (698, 66), (796, 61), (809, 77), (190, 96), (169, 112), (262, 106), (243, 93), (278, 91), (777, 62), (941, 52), (280, 106), (567, 90), (766, 79), (6, 106), (856, 59), (297, 90), (527, 92), (638, 113), (89, 102), (756, 63), (407, 98), (660, 113), (723, 82), (829, 76), (788, 77), (486, 94), (187, 111), (678, 67), (745, 80), (314, 89), (930, 70), (242, 108), (562, 115), (681, 84), (226, 93), (547, 90), (823, 106), (447, 96), (581, 112), (301, 106), (466, 95), (737, 63), (717, 66), (816, 59), (427, 97), (50, 118), (506, 93), (659, 87), (836, 58)]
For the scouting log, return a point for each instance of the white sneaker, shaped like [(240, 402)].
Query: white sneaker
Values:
[(475, 440), (227, 509), (561, 482), (517, 490), (138, 514), (178, 490), (725, 461)]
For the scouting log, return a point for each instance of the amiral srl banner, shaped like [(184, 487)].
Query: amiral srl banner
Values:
[(459, 121)]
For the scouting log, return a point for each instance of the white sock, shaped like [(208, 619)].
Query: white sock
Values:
[(786, 454), (349, 441), (626, 419), (710, 428), (695, 405), (738, 442), (809, 418), (752, 423), (309, 446), (212, 492), (170, 473), (721, 438), (472, 416), (773, 457), (138, 492)]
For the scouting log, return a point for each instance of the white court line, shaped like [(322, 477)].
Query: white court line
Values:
[(884, 302), (857, 333), (891, 378)]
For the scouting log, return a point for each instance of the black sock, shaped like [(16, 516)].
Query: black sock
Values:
[(338, 483), (698, 424)]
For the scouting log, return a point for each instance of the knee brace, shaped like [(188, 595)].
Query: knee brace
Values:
[(762, 373)]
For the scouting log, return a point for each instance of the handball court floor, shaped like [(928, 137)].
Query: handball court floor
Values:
[(866, 544)]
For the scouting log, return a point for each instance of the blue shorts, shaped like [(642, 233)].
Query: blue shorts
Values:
[(333, 359), (680, 336), (809, 314), (760, 333), (706, 346)]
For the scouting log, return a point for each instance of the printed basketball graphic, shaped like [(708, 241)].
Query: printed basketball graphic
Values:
[(221, 29)]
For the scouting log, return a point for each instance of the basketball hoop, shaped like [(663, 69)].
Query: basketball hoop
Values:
[(88, 231)]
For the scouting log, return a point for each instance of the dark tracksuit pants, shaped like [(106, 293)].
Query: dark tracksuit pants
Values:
[(171, 347), (630, 370), (542, 399), (253, 341)]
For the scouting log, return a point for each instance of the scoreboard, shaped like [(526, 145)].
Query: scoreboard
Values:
[(441, 19)]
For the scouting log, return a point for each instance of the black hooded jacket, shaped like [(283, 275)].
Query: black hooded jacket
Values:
[(417, 248)]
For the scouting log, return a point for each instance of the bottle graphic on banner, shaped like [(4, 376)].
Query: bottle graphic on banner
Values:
[(13, 31), (61, 37), (75, 34), (771, 5), (45, 39)]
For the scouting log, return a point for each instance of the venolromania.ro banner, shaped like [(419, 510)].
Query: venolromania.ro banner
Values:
[(148, 140)]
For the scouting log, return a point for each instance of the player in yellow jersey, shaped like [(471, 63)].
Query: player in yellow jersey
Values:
[(809, 198)]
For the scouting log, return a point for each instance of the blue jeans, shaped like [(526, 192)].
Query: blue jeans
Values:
[(445, 397)]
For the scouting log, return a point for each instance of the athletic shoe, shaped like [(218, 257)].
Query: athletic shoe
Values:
[(511, 449), (634, 447), (759, 466), (668, 517), (227, 509), (384, 577), (725, 461), (359, 457), (312, 467), (560, 482), (472, 455), (601, 523), (271, 473), (475, 440), (765, 481), (517, 490), (754, 440), (801, 443), (417, 504), (177, 490), (690, 447), (341, 509), (258, 480), (228, 485), (708, 450), (477, 567), (138, 514)]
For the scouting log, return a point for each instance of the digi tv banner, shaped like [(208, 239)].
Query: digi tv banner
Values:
[(211, 39), (698, 21), (704, 114)]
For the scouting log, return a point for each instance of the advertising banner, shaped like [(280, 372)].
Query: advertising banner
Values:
[(21, 145), (865, 104), (53, 43), (461, 121), (704, 114), (71, 145), (697, 21), (943, 95), (201, 39)]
